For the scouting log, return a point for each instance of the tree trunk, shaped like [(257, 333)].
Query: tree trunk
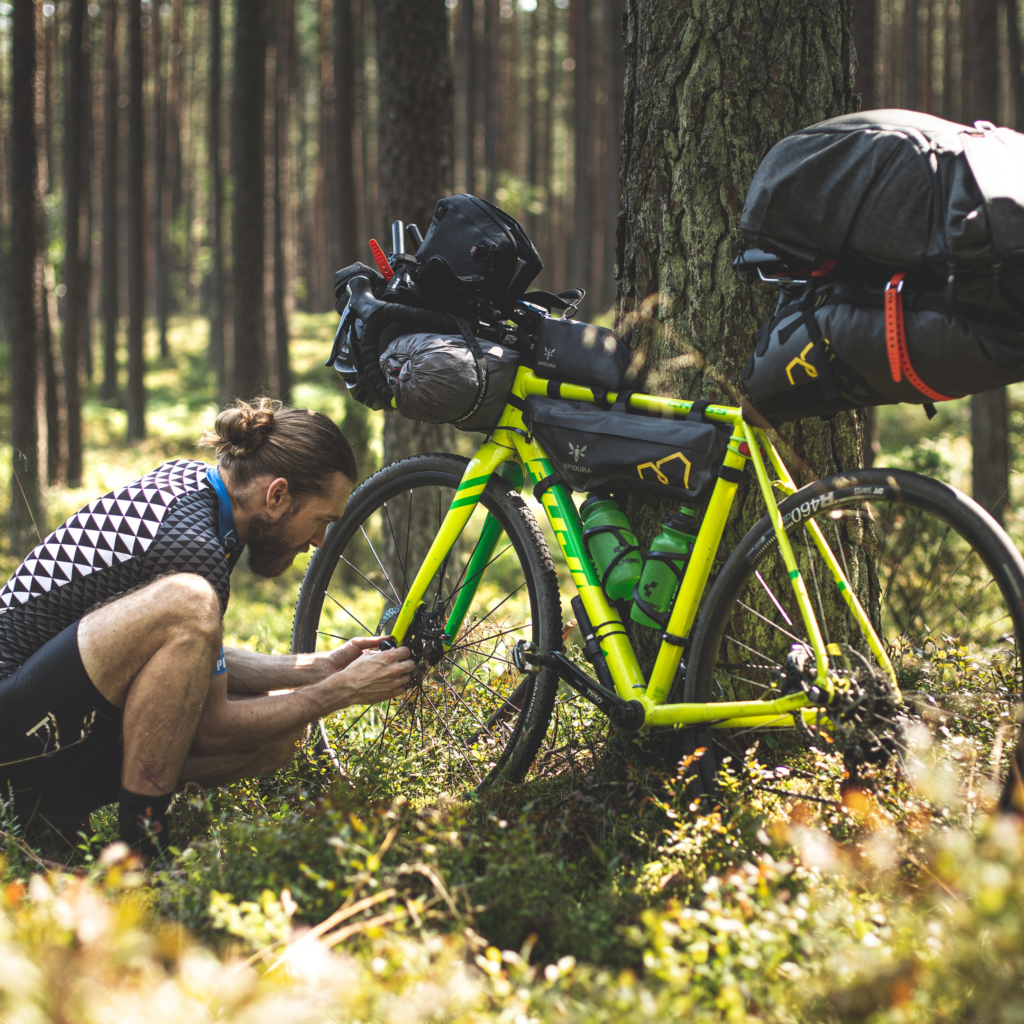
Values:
[(285, 30), (613, 72), (110, 301), (990, 471), (344, 122), (865, 27), (910, 62), (467, 86), (160, 282), (26, 514), (490, 76), (218, 303), (415, 150), (135, 194), (583, 220), (1016, 70), (709, 90), (75, 280), (247, 154)]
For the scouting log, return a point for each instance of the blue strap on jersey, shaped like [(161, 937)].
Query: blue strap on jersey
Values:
[(226, 517)]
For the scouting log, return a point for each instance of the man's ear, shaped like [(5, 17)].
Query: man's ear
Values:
[(278, 496)]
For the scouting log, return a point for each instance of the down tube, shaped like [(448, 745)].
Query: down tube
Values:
[(565, 521), (488, 460)]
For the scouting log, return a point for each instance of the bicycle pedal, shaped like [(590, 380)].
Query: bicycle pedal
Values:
[(522, 652)]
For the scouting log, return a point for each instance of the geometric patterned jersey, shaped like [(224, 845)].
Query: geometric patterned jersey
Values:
[(166, 522)]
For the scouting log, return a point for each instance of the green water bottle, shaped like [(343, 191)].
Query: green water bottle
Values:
[(612, 546), (663, 569)]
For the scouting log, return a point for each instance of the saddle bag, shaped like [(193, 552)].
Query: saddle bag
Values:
[(895, 190), (596, 448), (844, 346), (585, 354), (440, 379)]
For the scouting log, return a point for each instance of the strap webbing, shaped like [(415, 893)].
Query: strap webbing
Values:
[(730, 475), (548, 481), (896, 343), (481, 365)]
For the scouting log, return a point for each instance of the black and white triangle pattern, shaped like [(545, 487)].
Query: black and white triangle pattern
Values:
[(106, 532)]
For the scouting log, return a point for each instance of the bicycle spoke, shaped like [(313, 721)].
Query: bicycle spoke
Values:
[(373, 551), (366, 630)]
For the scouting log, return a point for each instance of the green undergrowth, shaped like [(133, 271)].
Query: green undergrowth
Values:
[(604, 888)]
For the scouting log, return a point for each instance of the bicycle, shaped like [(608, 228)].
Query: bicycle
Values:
[(810, 624)]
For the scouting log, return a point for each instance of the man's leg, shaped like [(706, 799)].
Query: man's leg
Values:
[(152, 653)]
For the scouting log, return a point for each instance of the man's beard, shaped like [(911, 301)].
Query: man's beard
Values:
[(269, 553)]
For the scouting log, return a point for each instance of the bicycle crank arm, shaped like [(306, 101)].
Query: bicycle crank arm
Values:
[(626, 714)]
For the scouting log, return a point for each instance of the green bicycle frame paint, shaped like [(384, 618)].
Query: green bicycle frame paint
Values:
[(490, 533)]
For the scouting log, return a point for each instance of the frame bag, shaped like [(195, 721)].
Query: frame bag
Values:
[(596, 448)]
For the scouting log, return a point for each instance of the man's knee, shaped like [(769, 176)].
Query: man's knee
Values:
[(190, 603), (277, 754)]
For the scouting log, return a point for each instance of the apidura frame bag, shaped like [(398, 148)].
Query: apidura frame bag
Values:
[(596, 448)]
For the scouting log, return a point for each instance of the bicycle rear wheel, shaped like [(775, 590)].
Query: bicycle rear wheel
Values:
[(474, 717), (927, 563)]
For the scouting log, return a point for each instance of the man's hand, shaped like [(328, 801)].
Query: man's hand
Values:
[(343, 656), (370, 676)]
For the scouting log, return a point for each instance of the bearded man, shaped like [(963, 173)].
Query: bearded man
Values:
[(114, 684)]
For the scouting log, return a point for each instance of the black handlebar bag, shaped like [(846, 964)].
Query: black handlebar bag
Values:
[(612, 449)]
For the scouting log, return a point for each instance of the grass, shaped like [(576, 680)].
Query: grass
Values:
[(601, 890)]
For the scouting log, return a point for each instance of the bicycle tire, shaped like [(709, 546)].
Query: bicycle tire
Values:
[(970, 548), (419, 476)]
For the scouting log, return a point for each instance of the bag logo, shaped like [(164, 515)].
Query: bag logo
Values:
[(662, 478), (801, 360), (577, 452), (549, 353)]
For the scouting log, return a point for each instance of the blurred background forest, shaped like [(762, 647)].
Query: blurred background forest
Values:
[(204, 166)]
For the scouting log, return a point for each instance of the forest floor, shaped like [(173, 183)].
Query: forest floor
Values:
[(606, 895)]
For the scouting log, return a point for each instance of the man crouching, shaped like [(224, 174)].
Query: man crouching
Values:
[(114, 684)]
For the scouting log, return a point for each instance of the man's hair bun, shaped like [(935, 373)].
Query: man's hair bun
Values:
[(270, 439), (242, 428)]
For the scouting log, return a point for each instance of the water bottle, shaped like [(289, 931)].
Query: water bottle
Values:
[(612, 546), (663, 569)]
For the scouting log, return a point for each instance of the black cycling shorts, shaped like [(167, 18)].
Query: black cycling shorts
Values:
[(60, 738)]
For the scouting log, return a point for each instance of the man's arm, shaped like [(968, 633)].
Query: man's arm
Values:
[(250, 672), (229, 726)]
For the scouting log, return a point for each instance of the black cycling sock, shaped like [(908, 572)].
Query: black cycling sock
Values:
[(142, 821)]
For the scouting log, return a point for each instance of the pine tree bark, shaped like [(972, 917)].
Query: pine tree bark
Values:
[(467, 85), (285, 32), (990, 471), (583, 221), (247, 228), (135, 194), (1016, 70), (26, 283), (160, 87), (709, 90), (77, 97), (490, 75), (218, 299), (415, 150), (865, 27), (613, 71), (344, 125), (109, 297)]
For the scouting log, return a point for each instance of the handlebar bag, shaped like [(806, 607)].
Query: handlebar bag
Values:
[(596, 448), (831, 350), (484, 246), (585, 354), (438, 379)]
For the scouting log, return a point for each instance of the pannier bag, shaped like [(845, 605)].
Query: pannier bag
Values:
[(889, 190), (872, 346), (483, 246), (594, 448), (438, 379), (584, 354)]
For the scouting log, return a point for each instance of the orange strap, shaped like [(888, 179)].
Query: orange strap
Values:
[(896, 342)]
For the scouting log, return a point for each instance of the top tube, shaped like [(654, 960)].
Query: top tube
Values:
[(528, 383)]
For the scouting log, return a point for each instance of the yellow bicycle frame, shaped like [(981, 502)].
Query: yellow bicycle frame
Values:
[(510, 442)]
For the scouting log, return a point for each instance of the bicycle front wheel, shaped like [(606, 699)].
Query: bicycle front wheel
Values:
[(474, 717), (930, 567)]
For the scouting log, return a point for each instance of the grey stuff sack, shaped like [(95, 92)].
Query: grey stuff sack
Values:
[(435, 379), (785, 379), (896, 188)]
